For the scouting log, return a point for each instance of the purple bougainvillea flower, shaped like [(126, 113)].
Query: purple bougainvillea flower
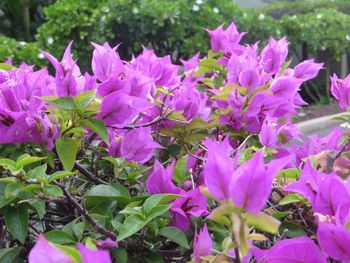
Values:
[(118, 108), (307, 69), (332, 192), (218, 169), (106, 61), (252, 182), (44, 252), (160, 69), (226, 40), (308, 183), (202, 244), (268, 134), (189, 100), (285, 87), (192, 63), (294, 250), (160, 180), (67, 73), (193, 203), (334, 241), (94, 256), (138, 145), (274, 55), (341, 91)]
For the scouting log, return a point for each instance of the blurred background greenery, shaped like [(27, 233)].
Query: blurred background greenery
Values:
[(319, 29)]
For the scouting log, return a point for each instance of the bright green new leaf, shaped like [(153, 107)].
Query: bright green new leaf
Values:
[(67, 150), (263, 222)]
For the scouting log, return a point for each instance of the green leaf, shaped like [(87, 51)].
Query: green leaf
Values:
[(291, 198), (158, 210), (26, 159), (62, 103), (53, 190), (6, 67), (8, 164), (83, 99), (97, 127), (59, 237), (16, 220), (180, 170), (71, 252), (280, 215), (110, 192), (120, 254), (174, 234), (292, 229), (37, 172), (131, 225), (59, 175), (263, 222), (38, 206), (8, 254), (158, 199), (291, 173), (67, 149)]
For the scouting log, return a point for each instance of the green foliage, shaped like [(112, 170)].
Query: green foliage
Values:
[(20, 51)]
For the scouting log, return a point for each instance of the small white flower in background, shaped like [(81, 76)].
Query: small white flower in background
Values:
[(278, 32), (50, 40), (41, 56), (347, 37), (261, 16), (199, 2), (216, 10), (135, 10), (22, 43), (195, 8), (244, 14), (319, 16), (293, 17)]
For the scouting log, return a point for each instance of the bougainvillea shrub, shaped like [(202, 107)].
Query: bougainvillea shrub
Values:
[(147, 161)]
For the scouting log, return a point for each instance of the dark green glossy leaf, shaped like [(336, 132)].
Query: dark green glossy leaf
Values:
[(16, 220), (174, 234)]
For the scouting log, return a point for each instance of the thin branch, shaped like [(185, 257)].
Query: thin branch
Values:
[(86, 214), (88, 174)]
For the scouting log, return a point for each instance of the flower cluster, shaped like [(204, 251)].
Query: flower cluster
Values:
[(205, 150)]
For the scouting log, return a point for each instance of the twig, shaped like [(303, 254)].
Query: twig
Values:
[(88, 174), (332, 156), (86, 214)]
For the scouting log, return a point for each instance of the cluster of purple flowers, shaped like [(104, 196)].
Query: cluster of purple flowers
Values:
[(257, 97)]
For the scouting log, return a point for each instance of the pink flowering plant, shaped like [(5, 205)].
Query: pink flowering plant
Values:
[(147, 161)]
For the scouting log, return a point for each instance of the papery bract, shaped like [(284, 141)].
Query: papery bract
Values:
[(294, 250), (118, 108), (252, 182), (218, 169), (105, 61), (341, 91), (138, 145), (202, 243), (94, 256), (307, 69), (334, 241), (44, 252), (193, 203), (160, 180)]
